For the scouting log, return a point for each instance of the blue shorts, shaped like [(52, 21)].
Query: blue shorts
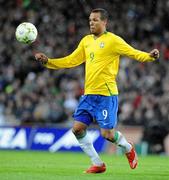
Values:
[(103, 109)]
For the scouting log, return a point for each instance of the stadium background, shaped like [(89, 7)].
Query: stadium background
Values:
[(33, 96)]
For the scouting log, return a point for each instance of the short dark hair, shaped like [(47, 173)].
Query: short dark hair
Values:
[(103, 13)]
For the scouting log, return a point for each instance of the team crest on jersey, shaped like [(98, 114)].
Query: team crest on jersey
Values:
[(102, 45)]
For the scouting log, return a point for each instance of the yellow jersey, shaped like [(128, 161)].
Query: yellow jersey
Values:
[(101, 57)]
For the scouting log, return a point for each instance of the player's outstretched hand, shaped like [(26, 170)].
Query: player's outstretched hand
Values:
[(155, 53), (41, 58)]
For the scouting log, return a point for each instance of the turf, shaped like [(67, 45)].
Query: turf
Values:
[(23, 165)]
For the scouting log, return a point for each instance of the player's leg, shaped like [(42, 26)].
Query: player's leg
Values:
[(107, 120), (118, 138), (83, 118), (80, 131)]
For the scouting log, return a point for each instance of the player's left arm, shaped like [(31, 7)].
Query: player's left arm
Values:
[(124, 49), (155, 53)]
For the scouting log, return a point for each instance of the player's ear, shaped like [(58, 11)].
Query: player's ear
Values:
[(105, 22)]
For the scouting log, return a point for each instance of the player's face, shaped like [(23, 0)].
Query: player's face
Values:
[(97, 26)]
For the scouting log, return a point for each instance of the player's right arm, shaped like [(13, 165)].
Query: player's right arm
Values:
[(76, 58)]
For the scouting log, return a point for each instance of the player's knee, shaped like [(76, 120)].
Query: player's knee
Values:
[(107, 134), (78, 131)]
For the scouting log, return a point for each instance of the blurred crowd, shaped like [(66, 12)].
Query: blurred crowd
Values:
[(31, 94)]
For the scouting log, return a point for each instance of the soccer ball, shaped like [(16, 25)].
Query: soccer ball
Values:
[(26, 33)]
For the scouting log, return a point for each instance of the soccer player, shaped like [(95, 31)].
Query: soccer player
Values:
[(100, 51)]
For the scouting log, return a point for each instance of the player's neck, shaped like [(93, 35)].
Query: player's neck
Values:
[(100, 34)]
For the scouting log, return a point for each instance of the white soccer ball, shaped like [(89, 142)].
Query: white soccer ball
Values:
[(26, 33)]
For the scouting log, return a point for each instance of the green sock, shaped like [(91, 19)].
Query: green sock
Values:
[(121, 141)]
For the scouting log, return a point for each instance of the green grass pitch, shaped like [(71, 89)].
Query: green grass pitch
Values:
[(24, 165)]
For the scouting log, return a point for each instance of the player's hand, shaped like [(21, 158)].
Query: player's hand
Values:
[(41, 58), (155, 53)]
